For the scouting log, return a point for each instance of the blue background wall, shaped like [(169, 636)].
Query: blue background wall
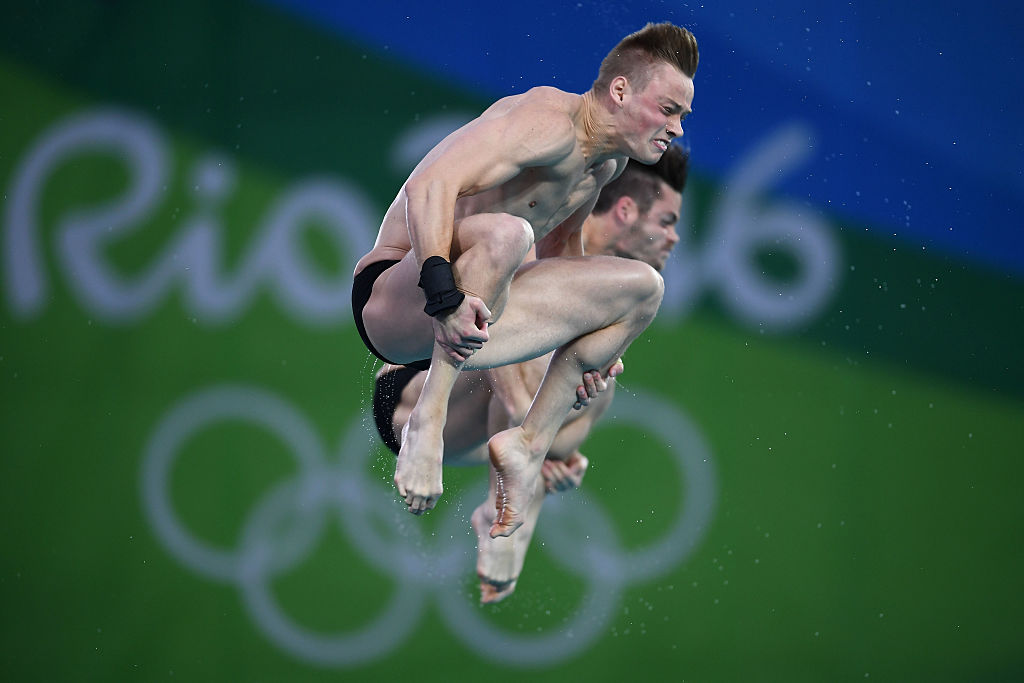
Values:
[(811, 471)]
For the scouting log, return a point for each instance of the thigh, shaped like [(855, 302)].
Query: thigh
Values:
[(394, 317), (555, 300)]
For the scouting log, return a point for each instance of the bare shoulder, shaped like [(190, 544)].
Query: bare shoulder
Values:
[(542, 118), (542, 99)]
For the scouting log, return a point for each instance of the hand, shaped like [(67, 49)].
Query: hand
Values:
[(562, 476), (594, 383), (463, 331)]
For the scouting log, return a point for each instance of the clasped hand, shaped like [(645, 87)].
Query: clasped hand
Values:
[(594, 383), (462, 331)]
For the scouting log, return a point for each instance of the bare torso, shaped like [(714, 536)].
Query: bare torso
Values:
[(544, 195)]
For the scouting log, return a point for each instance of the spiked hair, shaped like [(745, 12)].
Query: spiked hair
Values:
[(637, 52)]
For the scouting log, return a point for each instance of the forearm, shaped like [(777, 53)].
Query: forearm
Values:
[(430, 212), (508, 385), (566, 240), (569, 439), (577, 427)]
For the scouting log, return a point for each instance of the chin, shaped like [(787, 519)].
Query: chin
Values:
[(650, 158)]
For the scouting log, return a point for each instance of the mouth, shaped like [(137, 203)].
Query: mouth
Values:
[(661, 144)]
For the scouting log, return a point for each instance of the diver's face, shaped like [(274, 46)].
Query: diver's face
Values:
[(652, 236), (653, 115)]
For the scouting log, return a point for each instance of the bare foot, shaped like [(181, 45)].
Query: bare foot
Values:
[(418, 471), (516, 472), (495, 559)]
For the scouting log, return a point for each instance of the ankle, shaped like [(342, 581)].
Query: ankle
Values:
[(421, 420), (536, 445)]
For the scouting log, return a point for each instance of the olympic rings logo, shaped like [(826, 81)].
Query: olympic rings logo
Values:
[(284, 527)]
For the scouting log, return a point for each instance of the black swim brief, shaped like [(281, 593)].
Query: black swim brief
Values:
[(362, 287), (387, 394)]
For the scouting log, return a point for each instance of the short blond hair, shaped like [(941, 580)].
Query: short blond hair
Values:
[(637, 52)]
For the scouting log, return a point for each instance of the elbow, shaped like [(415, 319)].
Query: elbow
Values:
[(415, 190), (423, 188)]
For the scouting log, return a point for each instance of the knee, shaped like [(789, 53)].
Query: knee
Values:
[(509, 238), (646, 287), (647, 282)]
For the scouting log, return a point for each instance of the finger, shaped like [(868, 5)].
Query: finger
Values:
[(616, 369), (474, 334), (549, 476), (482, 316), (588, 382), (455, 354), (562, 480), (555, 470), (582, 396)]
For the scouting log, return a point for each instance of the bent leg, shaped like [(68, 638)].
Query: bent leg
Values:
[(554, 301), (500, 560), (486, 251), (630, 296), (465, 430)]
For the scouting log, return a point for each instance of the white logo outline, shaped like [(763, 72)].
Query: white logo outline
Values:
[(300, 505)]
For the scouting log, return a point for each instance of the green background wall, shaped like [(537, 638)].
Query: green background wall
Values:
[(830, 497)]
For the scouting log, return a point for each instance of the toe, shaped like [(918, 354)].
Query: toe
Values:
[(503, 529)]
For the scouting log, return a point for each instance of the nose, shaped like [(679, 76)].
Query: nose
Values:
[(674, 128), (672, 237)]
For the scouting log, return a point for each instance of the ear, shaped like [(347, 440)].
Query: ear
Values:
[(625, 210), (618, 89)]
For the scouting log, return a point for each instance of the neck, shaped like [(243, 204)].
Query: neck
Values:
[(597, 233), (595, 134)]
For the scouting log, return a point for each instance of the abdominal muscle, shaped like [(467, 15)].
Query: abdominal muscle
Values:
[(543, 196)]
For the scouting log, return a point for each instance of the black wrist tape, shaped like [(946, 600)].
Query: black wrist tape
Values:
[(438, 284)]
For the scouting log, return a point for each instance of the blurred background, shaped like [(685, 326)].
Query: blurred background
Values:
[(812, 471)]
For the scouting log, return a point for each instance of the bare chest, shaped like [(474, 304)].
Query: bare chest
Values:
[(547, 196)]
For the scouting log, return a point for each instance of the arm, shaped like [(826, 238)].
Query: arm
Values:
[(565, 465), (514, 387), (567, 239), (480, 156)]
